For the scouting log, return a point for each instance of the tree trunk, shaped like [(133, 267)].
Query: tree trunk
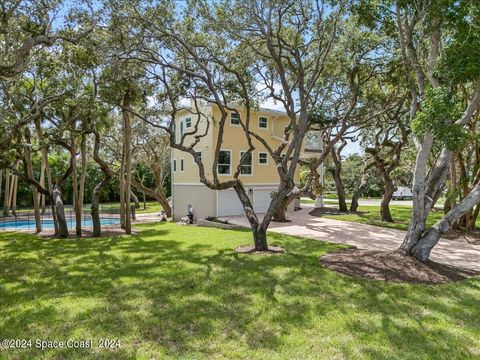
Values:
[(135, 199), (1, 183), (135, 206), (337, 177), (14, 194), (280, 213), (46, 166), (81, 191), (260, 239), (419, 216), (144, 202), (108, 173), (41, 197), (387, 197), (358, 193), (76, 201), (162, 199), (95, 209), (422, 249), (259, 232), (127, 135), (36, 209), (157, 194), (60, 212), (121, 180), (6, 200), (425, 192), (470, 226)]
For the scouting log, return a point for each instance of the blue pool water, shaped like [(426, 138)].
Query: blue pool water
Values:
[(47, 224)]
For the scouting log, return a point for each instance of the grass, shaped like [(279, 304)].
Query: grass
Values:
[(182, 292), (370, 214), (152, 207)]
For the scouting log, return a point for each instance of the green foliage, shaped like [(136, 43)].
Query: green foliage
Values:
[(438, 113), (460, 62)]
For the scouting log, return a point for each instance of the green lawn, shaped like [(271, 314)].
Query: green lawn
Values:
[(370, 214), (181, 292), (152, 207)]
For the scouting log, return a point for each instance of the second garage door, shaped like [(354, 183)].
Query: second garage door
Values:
[(261, 199), (228, 203)]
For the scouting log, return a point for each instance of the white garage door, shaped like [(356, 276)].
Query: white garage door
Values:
[(261, 199), (228, 203)]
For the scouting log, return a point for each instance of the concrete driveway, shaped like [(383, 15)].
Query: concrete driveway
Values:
[(369, 237)]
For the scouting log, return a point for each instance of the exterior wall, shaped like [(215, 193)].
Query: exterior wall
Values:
[(234, 139), (186, 188), (202, 199), (190, 172)]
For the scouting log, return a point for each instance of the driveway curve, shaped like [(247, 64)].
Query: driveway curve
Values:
[(368, 237)]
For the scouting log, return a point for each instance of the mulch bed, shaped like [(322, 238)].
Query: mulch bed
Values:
[(470, 237), (331, 211), (392, 266), (250, 249)]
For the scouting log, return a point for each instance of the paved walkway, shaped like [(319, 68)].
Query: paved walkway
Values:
[(368, 237)]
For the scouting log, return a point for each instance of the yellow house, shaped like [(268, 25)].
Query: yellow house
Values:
[(258, 172)]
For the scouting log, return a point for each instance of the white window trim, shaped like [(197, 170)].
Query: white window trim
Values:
[(182, 162), (263, 128), (231, 160), (244, 151), (239, 119), (185, 120), (262, 152)]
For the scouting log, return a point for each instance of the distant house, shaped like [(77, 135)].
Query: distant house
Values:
[(258, 172)]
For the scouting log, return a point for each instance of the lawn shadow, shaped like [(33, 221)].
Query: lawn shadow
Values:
[(184, 292)]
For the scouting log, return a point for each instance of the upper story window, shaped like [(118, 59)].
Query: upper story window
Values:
[(181, 165), (246, 163), (234, 118), (174, 165), (263, 158), (263, 122), (224, 162), (181, 128), (188, 122)]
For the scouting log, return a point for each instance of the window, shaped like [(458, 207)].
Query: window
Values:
[(263, 158), (188, 122), (199, 155), (181, 164), (262, 122), (181, 128), (174, 165), (234, 119), (246, 164), (224, 162)]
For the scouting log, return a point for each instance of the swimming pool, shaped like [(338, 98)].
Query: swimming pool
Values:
[(47, 224)]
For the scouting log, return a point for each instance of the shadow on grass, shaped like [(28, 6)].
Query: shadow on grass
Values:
[(175, 291)]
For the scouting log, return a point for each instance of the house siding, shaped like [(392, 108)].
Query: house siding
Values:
[(186, 188)]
